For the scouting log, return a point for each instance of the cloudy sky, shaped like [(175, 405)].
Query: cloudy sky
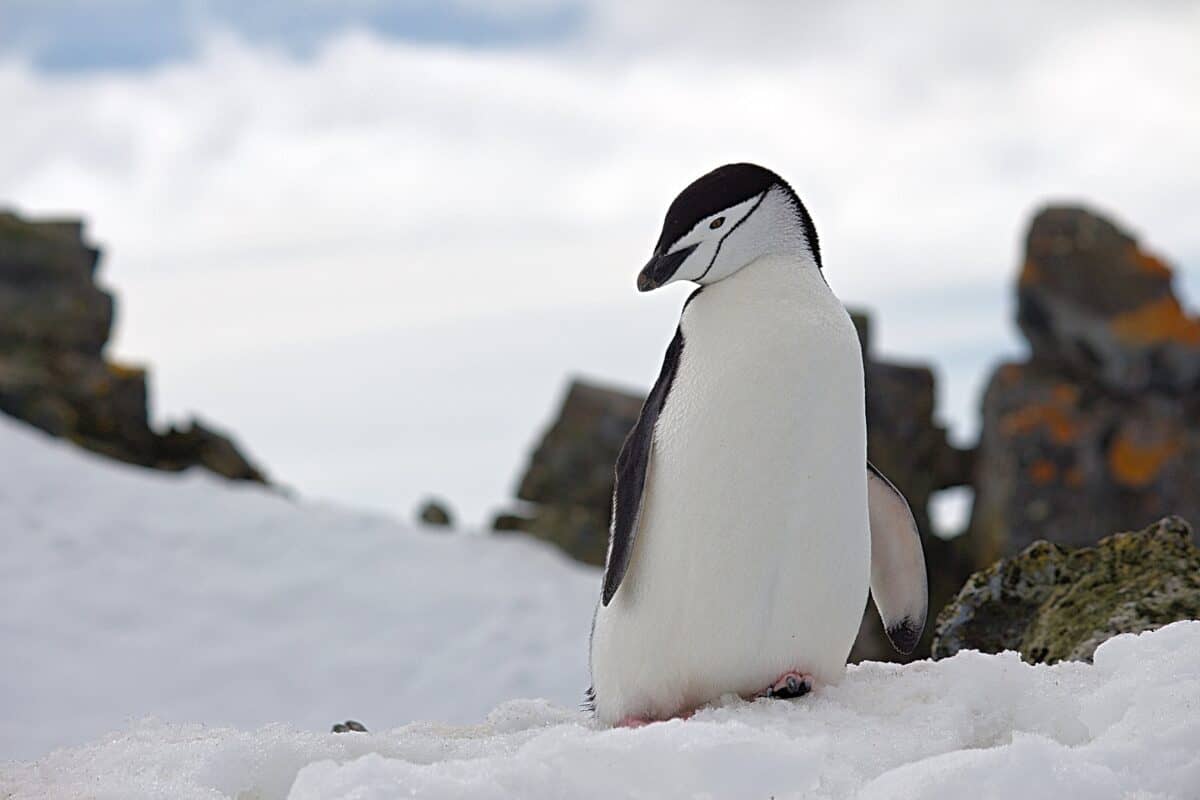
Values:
[(374, 239)]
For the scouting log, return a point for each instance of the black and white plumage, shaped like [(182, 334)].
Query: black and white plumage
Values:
[(747, 523)]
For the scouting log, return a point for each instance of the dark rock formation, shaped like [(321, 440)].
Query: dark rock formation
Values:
[(435, 514), (1094, 304), (1100, 429), (903, 440), (569, 481), (1052, 603), (508, 523), (54, 324), (47, 295), (573, 464)]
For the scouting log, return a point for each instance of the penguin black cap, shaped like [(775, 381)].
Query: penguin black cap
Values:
[(724, 187)]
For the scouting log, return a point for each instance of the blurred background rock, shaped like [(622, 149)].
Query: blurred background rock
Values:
[(1098, 431), (1057, 603), (54, 325), (435, 514)]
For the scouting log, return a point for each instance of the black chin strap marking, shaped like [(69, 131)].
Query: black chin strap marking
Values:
[(729, 233)]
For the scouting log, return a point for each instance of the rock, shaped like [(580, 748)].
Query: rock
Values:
[(1060, 460), (573, 463), (1053, 603), (569, 480), (1092, 302), (903, 439), (435, 514), (198, 445), (508, 523), (349, 726), (1099, 430), (579, 531), (54, 325), (48, 297)]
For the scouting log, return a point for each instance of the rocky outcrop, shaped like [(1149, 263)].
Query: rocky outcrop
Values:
[(903, 438), (48, 298), (435, 514), (1100, 429), (1053, 603), (54, 325), (1096, 305), (569, 481)]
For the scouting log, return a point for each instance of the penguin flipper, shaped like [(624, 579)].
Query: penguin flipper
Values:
[(633, 465), (898, 583)]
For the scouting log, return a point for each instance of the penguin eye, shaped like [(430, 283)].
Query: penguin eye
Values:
[(716, 223)]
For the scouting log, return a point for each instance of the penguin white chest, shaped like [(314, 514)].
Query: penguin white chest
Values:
[(753, 552)]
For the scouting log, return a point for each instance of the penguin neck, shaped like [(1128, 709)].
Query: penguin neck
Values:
[(759, 307), (787, 276)]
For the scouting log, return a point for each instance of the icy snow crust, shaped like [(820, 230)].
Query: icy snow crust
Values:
[(973, 726), (124, 593)]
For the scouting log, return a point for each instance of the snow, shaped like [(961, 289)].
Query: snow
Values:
[(974, 725), (127, 593), (247, 623)]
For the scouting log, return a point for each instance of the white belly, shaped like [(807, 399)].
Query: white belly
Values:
[(753, 551)]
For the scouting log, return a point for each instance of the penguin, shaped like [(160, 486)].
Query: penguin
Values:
[(747, 524)]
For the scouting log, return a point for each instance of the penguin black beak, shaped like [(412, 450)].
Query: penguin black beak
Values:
[(661, 268)]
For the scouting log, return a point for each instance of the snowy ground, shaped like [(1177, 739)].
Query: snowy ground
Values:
[(126, 593), (220, 609), (972, 726)]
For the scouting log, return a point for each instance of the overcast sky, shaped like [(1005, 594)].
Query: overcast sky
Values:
[(374, 239)]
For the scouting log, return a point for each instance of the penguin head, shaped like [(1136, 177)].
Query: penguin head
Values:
[(725, 220)]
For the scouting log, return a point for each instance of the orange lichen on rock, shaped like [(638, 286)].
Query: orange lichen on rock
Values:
[(1066, 394), (125, 371), (1063, 429), (1136, 464), (1010, 373), (1148, 262), (1030, 274), (1043, 471), (1158, 321)]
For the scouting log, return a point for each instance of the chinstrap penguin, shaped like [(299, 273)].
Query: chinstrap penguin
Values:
[(747, 523)]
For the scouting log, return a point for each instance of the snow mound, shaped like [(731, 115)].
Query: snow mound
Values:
[(126, 593), (978, 726)]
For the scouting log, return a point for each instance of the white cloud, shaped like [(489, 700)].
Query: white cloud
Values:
[(403, 208)]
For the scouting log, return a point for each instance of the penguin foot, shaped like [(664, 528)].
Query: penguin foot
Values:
[(789, 685)]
